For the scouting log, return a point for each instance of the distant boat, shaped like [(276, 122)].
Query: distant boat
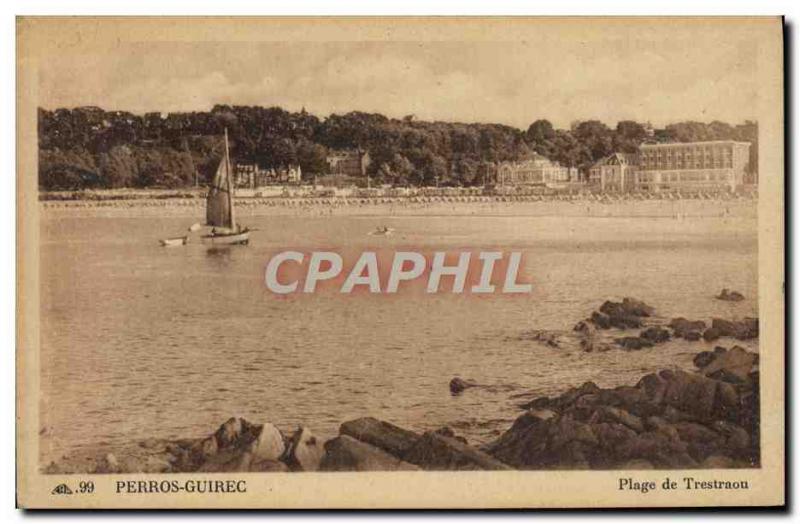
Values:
[(220, 214), (382, 231), (174, 241)]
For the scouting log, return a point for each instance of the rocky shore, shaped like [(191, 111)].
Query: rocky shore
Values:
[(708, 418)]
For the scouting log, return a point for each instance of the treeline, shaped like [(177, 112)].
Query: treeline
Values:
[(88, 147)]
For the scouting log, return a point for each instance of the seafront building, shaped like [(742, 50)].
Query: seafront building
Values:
[(616, 173), (251, 176), (348, 162), (692, 166), (713, 166), (535, 171)]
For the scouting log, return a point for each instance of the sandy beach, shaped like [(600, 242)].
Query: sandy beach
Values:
[(572, 206)]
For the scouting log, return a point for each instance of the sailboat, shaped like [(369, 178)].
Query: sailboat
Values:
[(220, 215)]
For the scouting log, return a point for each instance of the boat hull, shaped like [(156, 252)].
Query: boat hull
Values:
[(241, 238), (171, 242)]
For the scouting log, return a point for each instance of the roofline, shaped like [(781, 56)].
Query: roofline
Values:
[(663, 144)]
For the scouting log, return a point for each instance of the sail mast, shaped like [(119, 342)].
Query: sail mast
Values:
[(230, 181)]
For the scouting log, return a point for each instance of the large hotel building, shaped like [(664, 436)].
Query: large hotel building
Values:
[(683, 166)]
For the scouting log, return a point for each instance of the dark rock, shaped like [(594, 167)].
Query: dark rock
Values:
[(538, 335), (691, 393), (637, 307), (737, 438), (692, 336), (744, 329), (448, 432), (724, 375), (628, 307), (345, 453), (538, 403), (654, 446), (612, 414), (731, 296), (638, 464), (612, 309), (654, 388), (231, 460), (566, 430), (534, 442), (437, 452), (625, 322), (524, 444), (208, 447), (264, 466), (457, 385), (732, 366), (703, 359), (388, 437), (229, 432), (673, 415), (572, 394), (600, 320), (717, 462), (634, 343), (610, 434), (750, 328), (655, 334), (304, 451), (691, 431), (711, 334), (682, 327)]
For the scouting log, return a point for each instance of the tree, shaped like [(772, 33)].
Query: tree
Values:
[(541, 131), (90, 147)]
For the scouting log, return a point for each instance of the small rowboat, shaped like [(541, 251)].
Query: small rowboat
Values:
[(175, 241), (232, 238)]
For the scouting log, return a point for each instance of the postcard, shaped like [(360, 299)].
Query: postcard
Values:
[(369, 263)]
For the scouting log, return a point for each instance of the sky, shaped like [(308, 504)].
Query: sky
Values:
[(660, 80)]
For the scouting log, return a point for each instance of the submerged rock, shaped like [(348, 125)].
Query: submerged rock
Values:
[(634, 343), (683, 328), (627, 314), (458, 385), (744, 329), (655, 334), (600, 320)]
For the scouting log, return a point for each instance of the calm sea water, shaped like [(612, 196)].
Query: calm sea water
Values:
[(141, 341)]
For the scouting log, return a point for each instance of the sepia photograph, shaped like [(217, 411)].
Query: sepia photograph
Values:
[(304, 252)]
